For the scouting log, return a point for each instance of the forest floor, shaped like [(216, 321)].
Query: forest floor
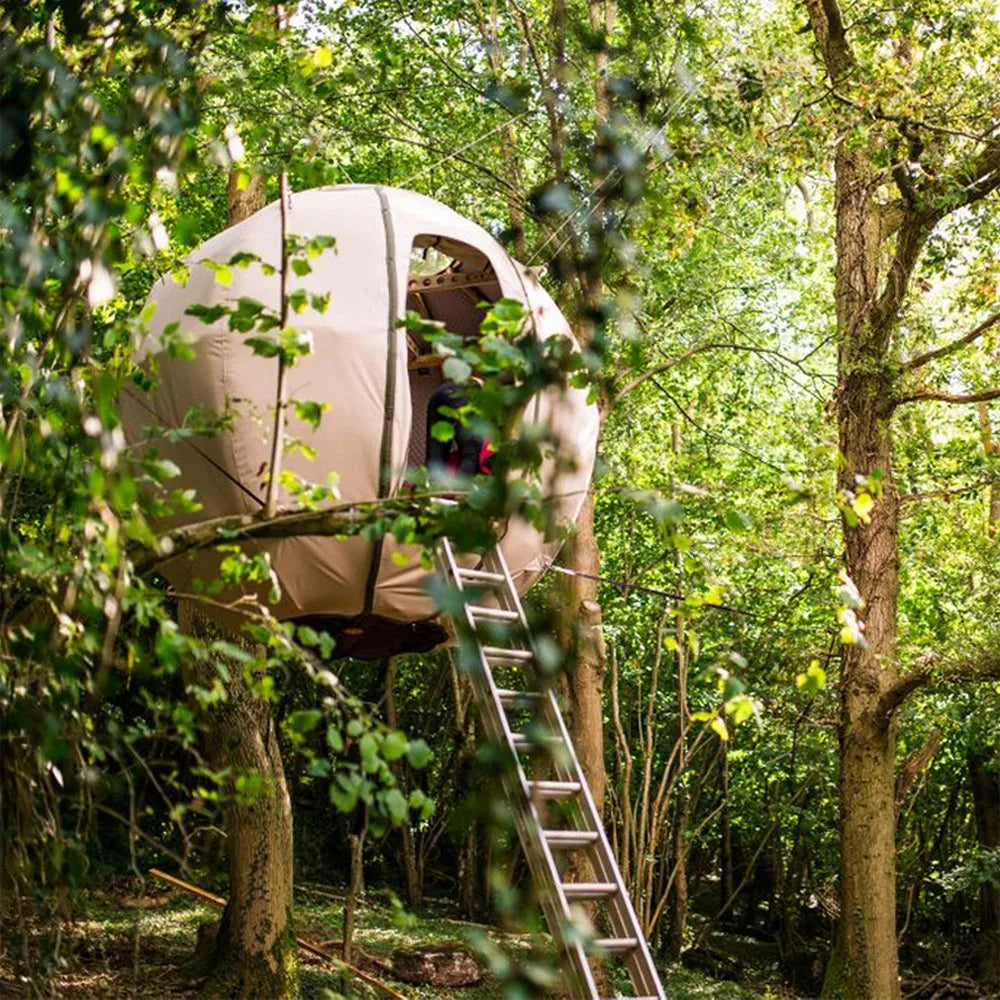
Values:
[(136, 945)]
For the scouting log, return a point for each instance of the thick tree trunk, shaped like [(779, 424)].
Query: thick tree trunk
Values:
[(585, 686), (255, 951), (868, 668), (867, 736), (985, 780)]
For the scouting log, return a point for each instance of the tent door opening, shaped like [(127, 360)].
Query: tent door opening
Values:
[(447, 282)]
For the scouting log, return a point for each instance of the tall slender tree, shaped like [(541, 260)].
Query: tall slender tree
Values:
[(900, 173)]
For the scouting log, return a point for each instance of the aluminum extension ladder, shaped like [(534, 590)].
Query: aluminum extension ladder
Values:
[(525, 717)]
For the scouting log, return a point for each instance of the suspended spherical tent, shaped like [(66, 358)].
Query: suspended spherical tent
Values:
[(394, 250)]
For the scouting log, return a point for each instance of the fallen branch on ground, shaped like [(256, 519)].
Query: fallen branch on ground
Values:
[(304, 945)]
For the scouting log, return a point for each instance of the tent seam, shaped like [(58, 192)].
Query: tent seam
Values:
[(389, 398)]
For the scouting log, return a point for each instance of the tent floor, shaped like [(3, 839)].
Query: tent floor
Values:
[(372, 637)]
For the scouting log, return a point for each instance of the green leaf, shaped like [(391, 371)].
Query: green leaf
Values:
[(243, 259), (207, 314), (305, 721), (393, 745), (737, 521), (369, 753), (395, 805), (718, 726), (310, 412), (343, 794), (456, 369), (443, 430), (813, 681), (264, 347), (307, 636), (418, 754)]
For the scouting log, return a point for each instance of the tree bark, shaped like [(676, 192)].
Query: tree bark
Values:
[(255, 951), (677, 923), (586, 676), (984, 778), (241, 203), (868, 669), (357, 842)]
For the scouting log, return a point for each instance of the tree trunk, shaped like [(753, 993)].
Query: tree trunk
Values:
[(255, 951), (586, 676), (677, 924), (985, 780), (868, 668), (243, 202), (357, 841)]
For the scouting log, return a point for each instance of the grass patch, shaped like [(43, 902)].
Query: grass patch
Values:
[(137, 948)]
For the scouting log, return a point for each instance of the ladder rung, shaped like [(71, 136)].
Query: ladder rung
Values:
[(507, 655), (570, 839), (522, 741), (589, 890), (615, 946), (518, 699), (480, 576), (479, 612), (553, 789)]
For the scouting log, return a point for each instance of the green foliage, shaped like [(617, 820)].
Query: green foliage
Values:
[(688, 234)]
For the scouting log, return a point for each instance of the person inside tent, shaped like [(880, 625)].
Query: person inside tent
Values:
[(465, 453)]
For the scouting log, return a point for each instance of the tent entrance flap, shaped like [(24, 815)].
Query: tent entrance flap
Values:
[(448, 282)]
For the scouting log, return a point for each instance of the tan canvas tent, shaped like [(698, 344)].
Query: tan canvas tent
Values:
[(362, 366)]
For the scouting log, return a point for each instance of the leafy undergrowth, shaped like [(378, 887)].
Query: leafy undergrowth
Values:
[(137, 946)]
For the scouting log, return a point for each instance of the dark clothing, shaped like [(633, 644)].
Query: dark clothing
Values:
[(468, 445)]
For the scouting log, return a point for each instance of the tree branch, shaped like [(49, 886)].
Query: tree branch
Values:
[(955, 345), (949, 397), (660, 369), (982, 667), (983, 176), (957, 491), (344, 519), (910, 237), (828, 27)]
